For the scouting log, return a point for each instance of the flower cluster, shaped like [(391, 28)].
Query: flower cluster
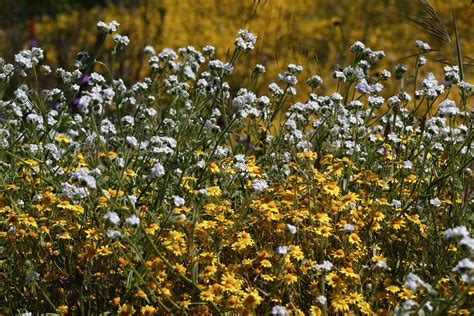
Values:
[(180, 194)]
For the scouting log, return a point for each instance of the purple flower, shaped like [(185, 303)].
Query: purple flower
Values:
[(63, 280), (34, 42), (85, 80)]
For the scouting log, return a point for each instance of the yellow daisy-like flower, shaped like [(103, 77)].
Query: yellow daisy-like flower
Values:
[(244, 240), (231, 283), (339, 253), (340, 304), (252, 300), (324, 231), (290, 278), (74, 209), (354, 298), (331, 189), (315, 311), (148, 310), (207, 295), (350, 198), (214, 191), (333, 279), (308, 155), (349, 273), (266, 263), (213, 167), (354, 239), (392, 289), (62, 139)]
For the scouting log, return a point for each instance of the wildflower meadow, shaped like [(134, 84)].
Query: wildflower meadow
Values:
[(180, 194)]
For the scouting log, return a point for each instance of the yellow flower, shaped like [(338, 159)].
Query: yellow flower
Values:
[(252, 300), (290, 278), (63, 309), (335, 169), (214, 191), (130, 173), (104, 251), (267, 277), (350, 198), (243, 241), (207, 295), (377, 215), (354, 239), (333, 279), (74, 209), (315, 311), (308, 155), (92, 234), (126, 310), (141, 294), (349, 272), (340, 304), (213, 167), (406, 294), (331, 189), (230, 282), (62, 139), (324, 231), (148, 310), (392, 289), (65, 235), (339, 253), (354, 298), (323, 218)]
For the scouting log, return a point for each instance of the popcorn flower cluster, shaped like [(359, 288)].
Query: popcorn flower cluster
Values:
[(179, 195)]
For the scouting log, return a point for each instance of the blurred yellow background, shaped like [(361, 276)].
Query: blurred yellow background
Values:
[(314, 33)]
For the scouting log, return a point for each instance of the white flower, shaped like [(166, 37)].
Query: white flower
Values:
[(178, 201), (381, 265), (259, 185), (108, 28), (464, 265), (435, 202), (158, 170), (396, 203), (448, 107), (424, 47), (467, 242), (282, 250), (149, 50), (84, 177), (112, 217), (413, 282), (114, 234), (321, 299), (357, 47), (315, 82), (131, 141), (407, 164), (291, 229), (279, 310), (348, 228), (326, 266), (121, 39), (246, 40), (460, 231), (132, 220)]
